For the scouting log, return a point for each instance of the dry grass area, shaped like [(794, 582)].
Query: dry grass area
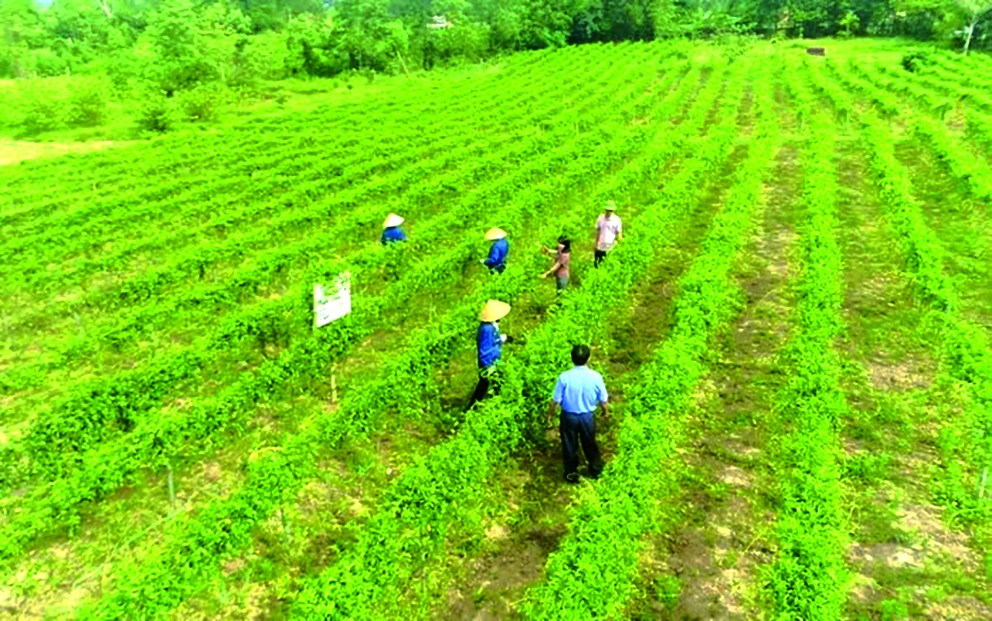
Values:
[(17, 151)]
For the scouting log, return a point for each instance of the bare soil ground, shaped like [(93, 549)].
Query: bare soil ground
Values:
[(17, 151)]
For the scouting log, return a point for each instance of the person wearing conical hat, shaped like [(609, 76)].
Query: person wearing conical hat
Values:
[(496, 262), (490, 346), (609, 230), (391, 231)]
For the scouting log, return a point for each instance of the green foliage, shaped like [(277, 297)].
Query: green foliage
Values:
[(87, 106), (809, 579), (582, 581), (966, 444), (191, 46), (47, 104), (312, 49), (915, 60), (200, 103), (157, 113), (42, 104), (322, 177)]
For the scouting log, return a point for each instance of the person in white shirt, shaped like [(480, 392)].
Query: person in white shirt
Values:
[(609, 230)]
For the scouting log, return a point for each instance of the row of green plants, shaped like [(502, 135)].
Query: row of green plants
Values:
[(809, 579), (75, 424), (964, 162), (280, 169), (976, 66), (342, 204), (146, 391), (119, 329), (189, 153), (402, 389), (973, 172), (965, 352), (342, 124), (294, 184), (953, 80), (593, 571), (979, 129), (520, 117), (443, 492), (106, 468), (915, 85), (265, 151)]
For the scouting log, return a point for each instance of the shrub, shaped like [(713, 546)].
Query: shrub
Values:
[(157, 114), (913, 61), (47, 63), (200, 103), (87, 103), (42, 106)]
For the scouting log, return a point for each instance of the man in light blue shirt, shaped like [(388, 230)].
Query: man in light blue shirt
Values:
[(578, 392)]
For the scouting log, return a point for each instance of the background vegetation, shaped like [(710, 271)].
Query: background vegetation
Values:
[(159, 62)]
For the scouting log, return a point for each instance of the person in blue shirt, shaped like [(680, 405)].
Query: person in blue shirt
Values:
[(490, 346), (391, 230), (496, 262), (577, 394)]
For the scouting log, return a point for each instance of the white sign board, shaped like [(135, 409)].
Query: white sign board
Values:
[(334, 303)]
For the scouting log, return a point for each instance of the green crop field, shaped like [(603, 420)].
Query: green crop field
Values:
[(794, 331)]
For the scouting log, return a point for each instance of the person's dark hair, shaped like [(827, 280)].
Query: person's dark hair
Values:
[(580, 354), (566, 243)]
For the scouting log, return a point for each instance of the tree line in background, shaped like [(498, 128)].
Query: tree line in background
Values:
[(191, 48)]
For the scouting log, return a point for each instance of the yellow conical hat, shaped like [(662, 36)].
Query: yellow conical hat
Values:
[(392, 220), (495, 233), (610, 206), (494, 310)]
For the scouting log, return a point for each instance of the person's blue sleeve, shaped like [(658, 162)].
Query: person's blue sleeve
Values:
[(603, 396), (392, 235), (493, 259), (559, 392), (497, 253), (489, 345)]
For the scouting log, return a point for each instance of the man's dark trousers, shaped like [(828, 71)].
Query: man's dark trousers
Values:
[(576, 429), (487, 378)]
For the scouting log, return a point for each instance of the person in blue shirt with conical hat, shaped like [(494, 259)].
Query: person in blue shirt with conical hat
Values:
[(490, 346), (391, 231), (496, 261)]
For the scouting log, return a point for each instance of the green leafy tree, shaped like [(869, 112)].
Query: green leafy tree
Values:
[(548, 23), (311, 49), (368, 35), (21, 31), (276, 14), (972, 11), (81, 28), (188, 46)]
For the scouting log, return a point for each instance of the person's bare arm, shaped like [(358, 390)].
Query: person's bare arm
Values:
[(606, 409), (554, 268)]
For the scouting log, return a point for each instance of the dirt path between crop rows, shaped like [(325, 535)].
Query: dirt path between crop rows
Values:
[(705, 568), (493, 582), (906, 560)]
